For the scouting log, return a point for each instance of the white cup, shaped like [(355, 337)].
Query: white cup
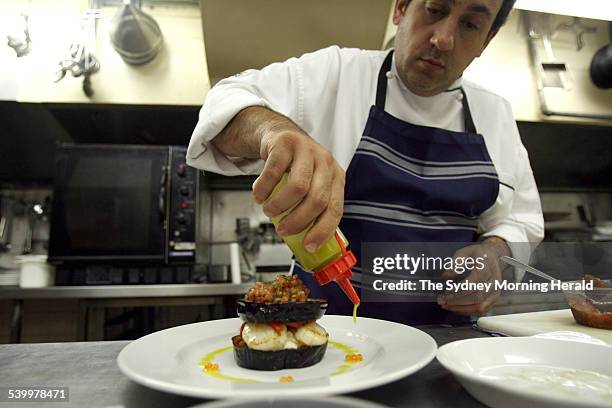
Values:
[(34, 271)]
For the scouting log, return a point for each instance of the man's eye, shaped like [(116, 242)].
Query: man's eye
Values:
[(434, 11), (470, 26)]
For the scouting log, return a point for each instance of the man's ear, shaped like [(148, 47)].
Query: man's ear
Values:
[(490, 36), (399, 10)]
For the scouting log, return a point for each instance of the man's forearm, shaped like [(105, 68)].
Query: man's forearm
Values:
[(242, 135)]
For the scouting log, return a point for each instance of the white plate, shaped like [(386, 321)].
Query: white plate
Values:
[(533, 371), (168, 360), (322, 402)]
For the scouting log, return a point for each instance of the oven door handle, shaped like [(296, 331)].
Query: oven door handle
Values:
[(162, 194)]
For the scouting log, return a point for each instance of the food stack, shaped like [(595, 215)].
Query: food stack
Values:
[(280, 329)]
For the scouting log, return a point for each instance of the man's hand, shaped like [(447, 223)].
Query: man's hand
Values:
[(316, 181), (477, 302)]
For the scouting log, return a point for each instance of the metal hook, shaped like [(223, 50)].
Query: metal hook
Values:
[(79, 61), (578, 29)]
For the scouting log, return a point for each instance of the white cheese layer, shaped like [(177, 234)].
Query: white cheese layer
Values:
[(311, 334), (260, 336)]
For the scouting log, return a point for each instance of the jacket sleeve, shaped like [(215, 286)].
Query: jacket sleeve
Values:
[(279, 86), (517, 215)]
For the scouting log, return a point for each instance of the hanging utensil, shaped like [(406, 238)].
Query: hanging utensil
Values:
[(135, 35), (21, 44), (80, 60)]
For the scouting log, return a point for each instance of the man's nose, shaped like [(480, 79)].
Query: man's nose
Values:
[(443, 37)]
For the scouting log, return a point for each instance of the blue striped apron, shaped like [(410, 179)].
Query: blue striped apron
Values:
[(410, 183)]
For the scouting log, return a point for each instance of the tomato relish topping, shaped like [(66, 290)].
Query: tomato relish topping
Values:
[(297, 325), (353, 358), (278, 328), (283, 289), (211, 367), (286, 378)]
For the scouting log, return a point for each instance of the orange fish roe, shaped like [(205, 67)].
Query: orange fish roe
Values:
[(353, 358), (287, 378), (211, 367)]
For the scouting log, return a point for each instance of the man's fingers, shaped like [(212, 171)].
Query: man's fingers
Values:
[(465, 252), (484, 274), (312, 206), (315, 187), (451, 275), (277, 164), (325, 226), (472, 301), (465, 298), (473, 309), (475, 277), (298, 186)]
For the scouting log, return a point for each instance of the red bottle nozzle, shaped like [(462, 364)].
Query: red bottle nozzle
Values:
[(349, 290), (339, 271)]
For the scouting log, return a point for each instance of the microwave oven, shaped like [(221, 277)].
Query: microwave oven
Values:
[(123, 205)]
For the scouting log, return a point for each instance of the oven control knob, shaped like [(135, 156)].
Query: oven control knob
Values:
[(181, 170), (184, 190), (181, 219)]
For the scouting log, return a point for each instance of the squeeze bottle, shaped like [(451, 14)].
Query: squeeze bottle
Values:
[(331, 262)]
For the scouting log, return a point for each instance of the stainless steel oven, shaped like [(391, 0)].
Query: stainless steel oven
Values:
[(123, 205)]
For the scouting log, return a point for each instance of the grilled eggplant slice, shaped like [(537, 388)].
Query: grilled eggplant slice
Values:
[(286, 312), (301, 357)]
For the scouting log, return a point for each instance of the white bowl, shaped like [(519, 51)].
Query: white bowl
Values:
[(534, 372)]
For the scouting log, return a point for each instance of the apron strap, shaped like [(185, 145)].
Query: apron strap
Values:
[(381, 94), (381, 87), (467, 115)]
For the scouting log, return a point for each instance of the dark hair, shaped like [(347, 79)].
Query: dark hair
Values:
[(502, 14), (500, 18)]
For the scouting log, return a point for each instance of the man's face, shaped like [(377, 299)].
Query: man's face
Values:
[(437, 39)]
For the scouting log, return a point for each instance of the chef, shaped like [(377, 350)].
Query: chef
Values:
[(392, 146)]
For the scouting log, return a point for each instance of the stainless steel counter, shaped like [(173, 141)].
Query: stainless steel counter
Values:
[(124, 291), (90, 371)]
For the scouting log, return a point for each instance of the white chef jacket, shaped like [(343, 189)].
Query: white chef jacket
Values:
[(328, 93)]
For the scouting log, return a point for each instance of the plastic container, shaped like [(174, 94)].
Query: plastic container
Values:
[(35, 272), (593, 307), (331, 262)]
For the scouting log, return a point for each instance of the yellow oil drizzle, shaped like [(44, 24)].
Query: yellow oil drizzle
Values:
[(355, 312), (341, 369), (343, 347), (346, 349), (216, 374), (214, 354)]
